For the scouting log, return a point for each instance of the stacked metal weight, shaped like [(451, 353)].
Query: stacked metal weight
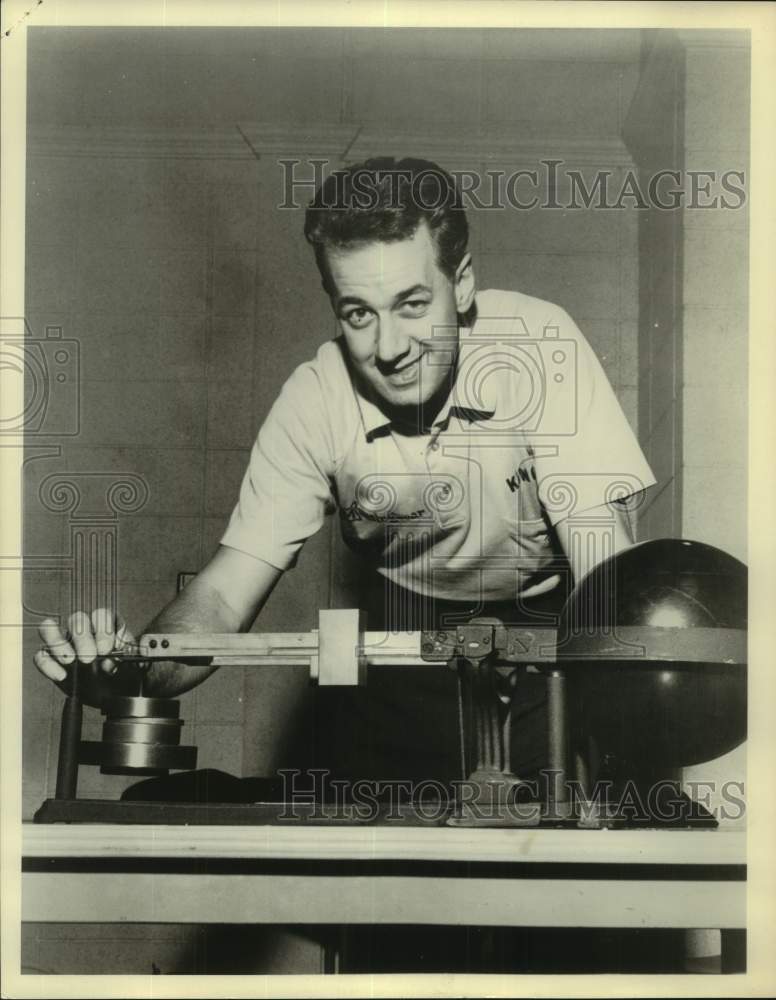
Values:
[(140, 736)]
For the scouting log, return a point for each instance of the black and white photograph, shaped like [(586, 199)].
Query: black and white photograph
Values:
[(377, 386)]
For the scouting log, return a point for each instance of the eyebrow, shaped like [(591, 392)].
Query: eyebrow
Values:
[(353, 300)]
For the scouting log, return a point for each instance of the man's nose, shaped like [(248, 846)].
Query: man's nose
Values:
[(392, 344)]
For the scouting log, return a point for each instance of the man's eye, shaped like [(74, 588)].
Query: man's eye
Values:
[(415, 306), (358, 318)]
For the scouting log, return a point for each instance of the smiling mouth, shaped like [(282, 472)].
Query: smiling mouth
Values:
[(406, 373)]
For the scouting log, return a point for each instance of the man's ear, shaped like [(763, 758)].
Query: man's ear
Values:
[(465, 286)]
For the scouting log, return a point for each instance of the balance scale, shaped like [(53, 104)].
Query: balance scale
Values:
[(142, 735)]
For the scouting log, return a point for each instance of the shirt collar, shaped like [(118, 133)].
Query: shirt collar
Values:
[(372, 416), (375, 421)]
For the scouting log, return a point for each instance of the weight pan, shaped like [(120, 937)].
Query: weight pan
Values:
[(140, 708), (138, 755), (166, 731)]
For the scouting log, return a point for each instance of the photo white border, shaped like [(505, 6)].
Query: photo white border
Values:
[(760, 979)]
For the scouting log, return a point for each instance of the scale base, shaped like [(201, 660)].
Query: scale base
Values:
[(536, 815)]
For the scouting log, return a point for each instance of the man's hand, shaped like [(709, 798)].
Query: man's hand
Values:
[(225, 596), (85, 643)]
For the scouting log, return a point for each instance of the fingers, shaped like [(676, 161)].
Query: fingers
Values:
[(110, 632), (87, 638), (55, 642), (49, 667), (81, 636), (124, 638), (103, 622)]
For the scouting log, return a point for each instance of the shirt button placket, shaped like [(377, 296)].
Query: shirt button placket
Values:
[(431, 456)]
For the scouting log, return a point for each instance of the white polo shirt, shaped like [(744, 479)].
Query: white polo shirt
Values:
[(532, 433)]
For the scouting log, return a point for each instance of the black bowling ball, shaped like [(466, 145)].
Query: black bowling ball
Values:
[(657, 712)]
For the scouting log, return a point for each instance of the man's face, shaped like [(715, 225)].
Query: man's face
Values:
[(399, 316)]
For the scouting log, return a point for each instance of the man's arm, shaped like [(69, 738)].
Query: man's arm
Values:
[(593, 536), (225, 596)]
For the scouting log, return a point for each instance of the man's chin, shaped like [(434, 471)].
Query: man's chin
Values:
[(406, 400)]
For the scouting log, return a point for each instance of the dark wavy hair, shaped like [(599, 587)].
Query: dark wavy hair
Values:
[(385, 200)]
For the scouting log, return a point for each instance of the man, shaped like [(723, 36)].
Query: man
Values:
[(478, 460), (471, 443)]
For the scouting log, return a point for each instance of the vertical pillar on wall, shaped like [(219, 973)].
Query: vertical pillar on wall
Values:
[(654, 134), (715, 247)]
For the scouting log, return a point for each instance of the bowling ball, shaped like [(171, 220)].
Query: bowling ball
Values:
[(667, 712)]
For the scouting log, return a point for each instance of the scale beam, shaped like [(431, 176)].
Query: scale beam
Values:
[(339, 650)]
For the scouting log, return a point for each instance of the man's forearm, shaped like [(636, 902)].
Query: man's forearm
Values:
[(198, 608)]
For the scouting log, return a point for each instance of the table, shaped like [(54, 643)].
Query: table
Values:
[(371, 874)]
